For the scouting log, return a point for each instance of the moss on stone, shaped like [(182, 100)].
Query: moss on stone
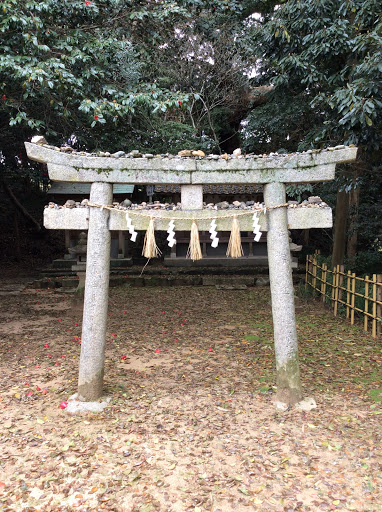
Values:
[(91, 390), (288, 382)]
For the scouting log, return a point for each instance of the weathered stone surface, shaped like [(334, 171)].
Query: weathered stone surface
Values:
[(262, 281), (78, 218), (90, 379), (39, 139), (173, 172), (65, 218), (223, 205), (281, 406), (306, 405), (199, 153), (118, 154), (238, 171), (76, 406), (192, 197), (282, 293), (300, 167), (314, 200)]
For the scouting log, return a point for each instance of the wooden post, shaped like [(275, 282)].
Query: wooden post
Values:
[(306, 271), (348, 288), (366, 306), (323, 282), (379, 305), (352, 299), (341, 281), (374, 318), (314, 274), (336, 280)]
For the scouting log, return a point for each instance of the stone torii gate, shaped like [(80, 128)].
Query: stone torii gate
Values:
[(191, 174)]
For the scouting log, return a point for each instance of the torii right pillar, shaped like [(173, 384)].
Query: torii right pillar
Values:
[(282, 292)]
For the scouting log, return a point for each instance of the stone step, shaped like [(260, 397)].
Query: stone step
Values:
[(228, 280), (63, 263)]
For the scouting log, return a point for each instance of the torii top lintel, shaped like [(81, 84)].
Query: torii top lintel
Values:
[(309, 166)]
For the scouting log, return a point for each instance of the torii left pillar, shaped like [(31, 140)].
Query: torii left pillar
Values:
[(90, 379)]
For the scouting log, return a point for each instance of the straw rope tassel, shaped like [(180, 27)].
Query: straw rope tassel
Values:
[(194, 251), (150, 249), (235, 249)]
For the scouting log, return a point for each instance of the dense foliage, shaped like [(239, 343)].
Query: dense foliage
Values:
[(324, 60), (117, 73)]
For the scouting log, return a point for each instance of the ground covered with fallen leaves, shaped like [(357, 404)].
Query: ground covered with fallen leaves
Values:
[(191, 426)]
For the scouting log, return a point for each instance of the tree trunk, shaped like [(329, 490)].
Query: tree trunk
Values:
[(353, 218), (306, 237), (339, 245)]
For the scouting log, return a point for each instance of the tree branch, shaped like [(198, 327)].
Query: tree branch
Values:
[(21, 208)]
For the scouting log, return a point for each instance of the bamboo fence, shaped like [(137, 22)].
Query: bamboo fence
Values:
[(356, 297)]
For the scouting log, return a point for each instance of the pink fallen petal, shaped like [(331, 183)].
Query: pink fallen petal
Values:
[(157, 351), (46, 345), (64, 405), (38, 388)]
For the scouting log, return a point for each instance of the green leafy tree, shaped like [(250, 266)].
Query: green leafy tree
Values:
[(324, 60), (71, 67), (91, 67)]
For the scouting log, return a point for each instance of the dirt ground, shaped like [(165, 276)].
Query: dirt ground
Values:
[(191, 426)]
